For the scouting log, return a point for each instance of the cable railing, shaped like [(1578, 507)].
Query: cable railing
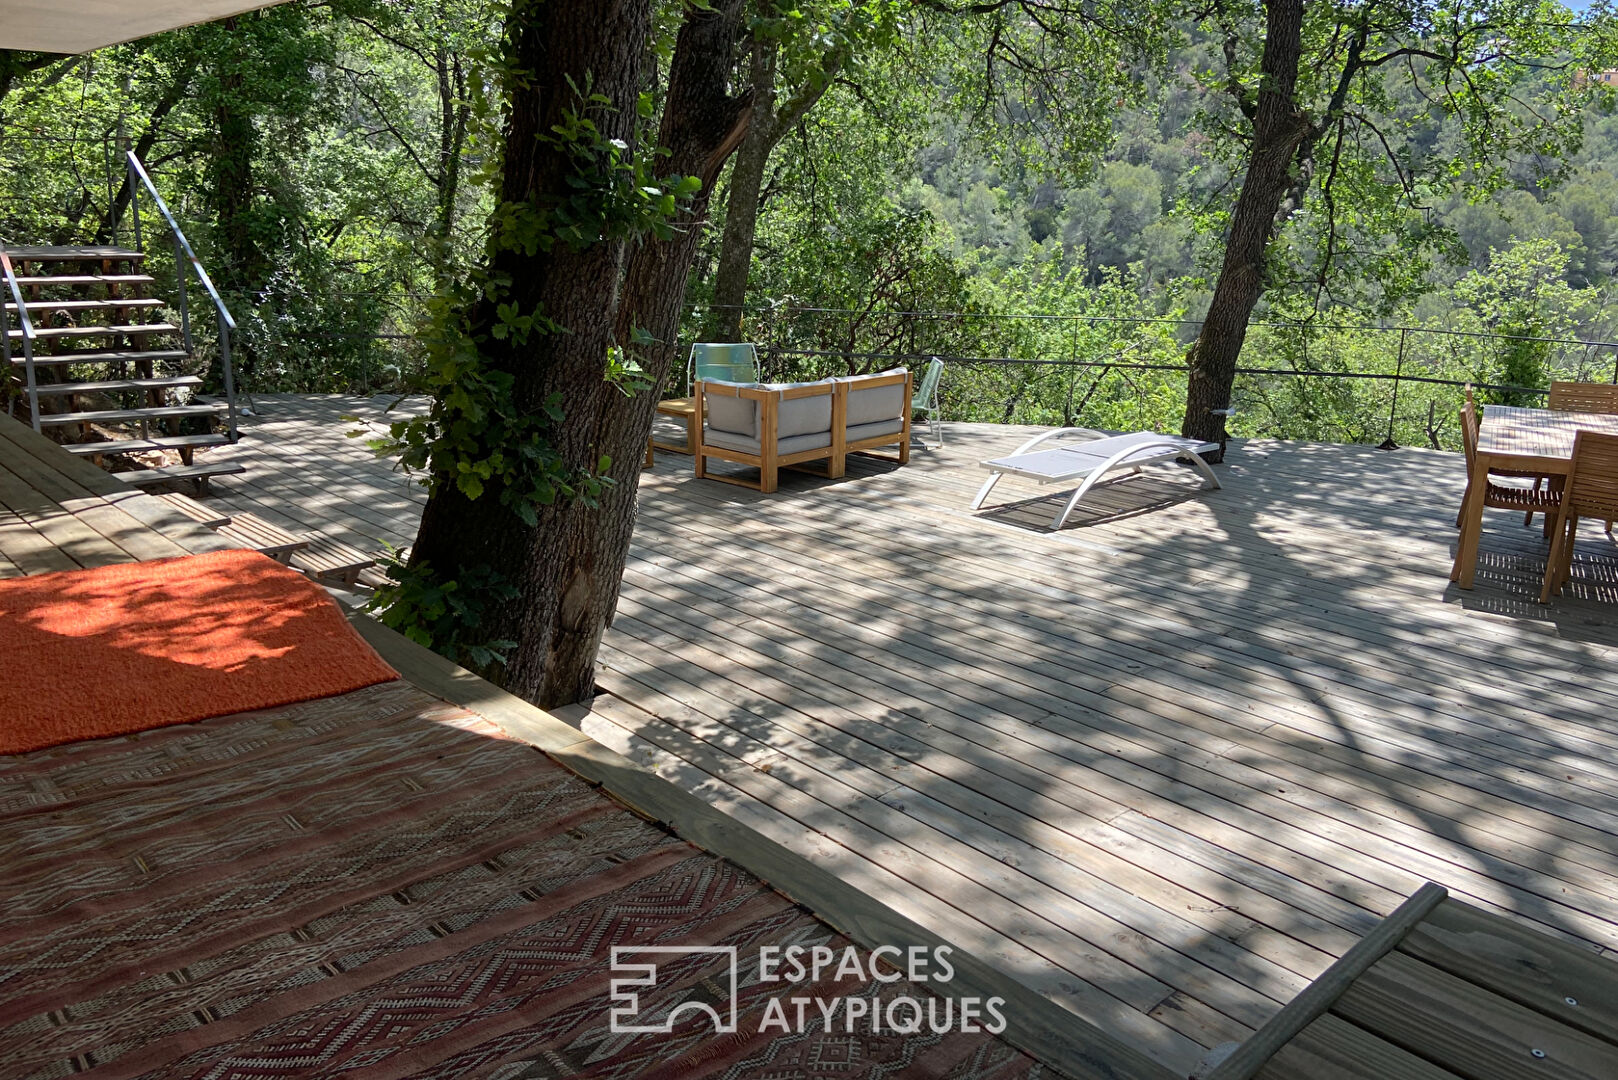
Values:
[(1372, 384), (184, 256)]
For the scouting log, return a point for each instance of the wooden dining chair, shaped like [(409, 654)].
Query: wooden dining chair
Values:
[(1591, 491), (1544, 499), (1584, 397), (1502, 493)]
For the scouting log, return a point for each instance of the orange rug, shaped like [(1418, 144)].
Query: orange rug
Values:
[(85, 654)]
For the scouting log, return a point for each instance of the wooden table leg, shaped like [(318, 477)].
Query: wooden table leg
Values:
[(1466, 555)]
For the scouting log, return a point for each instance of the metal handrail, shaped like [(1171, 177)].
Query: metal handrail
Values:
[(27, 326), (183, 254)]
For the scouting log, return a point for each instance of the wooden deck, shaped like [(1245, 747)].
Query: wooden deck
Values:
[(1163, 767), (61, 513)]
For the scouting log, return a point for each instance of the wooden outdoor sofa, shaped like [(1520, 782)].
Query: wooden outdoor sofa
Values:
[(776, 426)]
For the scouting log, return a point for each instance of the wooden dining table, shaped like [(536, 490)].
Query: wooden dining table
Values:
[(1538, 441)]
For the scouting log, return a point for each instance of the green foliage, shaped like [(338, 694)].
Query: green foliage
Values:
[(445, 613), (476, 437), (1523, 296)]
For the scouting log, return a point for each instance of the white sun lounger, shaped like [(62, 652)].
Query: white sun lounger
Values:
[(1092, 460)]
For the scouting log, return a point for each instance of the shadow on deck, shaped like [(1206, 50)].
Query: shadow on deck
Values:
[(1163, 765)]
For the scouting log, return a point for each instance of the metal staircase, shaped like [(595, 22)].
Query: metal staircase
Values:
[(95, 362)]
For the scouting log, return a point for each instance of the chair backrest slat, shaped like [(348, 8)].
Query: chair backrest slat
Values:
[(1584, 397), (728, 361), (926, 393), (1592, 488), (1469, 429)]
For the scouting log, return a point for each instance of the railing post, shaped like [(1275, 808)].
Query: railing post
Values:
[(1398, 371), (134, 201), (181, 276), (229, 374), (182, 256), (5, 342)]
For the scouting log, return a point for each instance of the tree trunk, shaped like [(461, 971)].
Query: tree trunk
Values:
[(230, 166), (1279, 128), (565, 570), (702, 125), (454, 114), (741, 203), (765, 129)]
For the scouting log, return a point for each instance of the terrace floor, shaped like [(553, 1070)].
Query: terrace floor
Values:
[(1163, 766)]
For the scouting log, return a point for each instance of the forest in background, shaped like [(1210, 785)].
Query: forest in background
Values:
[(328, 161)]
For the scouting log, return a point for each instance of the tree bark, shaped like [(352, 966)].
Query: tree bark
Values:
[(454, 115), (1279, 129), (765, 129), (701, 127), (231, 186), (565, 570), (741, 203)]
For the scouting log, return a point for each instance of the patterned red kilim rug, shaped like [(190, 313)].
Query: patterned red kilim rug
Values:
[(380, 885)]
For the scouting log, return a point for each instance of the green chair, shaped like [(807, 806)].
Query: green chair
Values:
[(926, 399), (735, 362)]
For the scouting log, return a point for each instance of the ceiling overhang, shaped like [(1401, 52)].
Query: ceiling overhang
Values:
[(76, 26)]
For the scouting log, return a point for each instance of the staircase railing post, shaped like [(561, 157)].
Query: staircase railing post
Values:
[(227, 372), (134, 198), (181, 278)]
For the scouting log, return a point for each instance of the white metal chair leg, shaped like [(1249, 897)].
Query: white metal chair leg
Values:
[(983, 492)]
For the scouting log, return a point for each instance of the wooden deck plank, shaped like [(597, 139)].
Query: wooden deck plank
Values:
[(1534, 779), (1462, 1027), (1012, 824), (1333, 1049), (989, 631), (1137, 932), (868, 865), (1551, 977), (801, 618), (1589, 880), (1265, 700)]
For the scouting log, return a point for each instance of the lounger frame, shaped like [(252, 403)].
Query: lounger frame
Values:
[(1133, 452)]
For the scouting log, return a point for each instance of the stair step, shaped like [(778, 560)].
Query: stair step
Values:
[(252, 531), (87, 279), (198, 474), (73, 254), (103, 356), (195, 510), (86, 305), (104, 416), (109, 385), (50, 332), (136, 446), (328, 559)]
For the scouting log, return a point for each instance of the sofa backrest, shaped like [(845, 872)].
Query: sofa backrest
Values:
[(727, 412), (801, 413), (738, 408), (874, 404)]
